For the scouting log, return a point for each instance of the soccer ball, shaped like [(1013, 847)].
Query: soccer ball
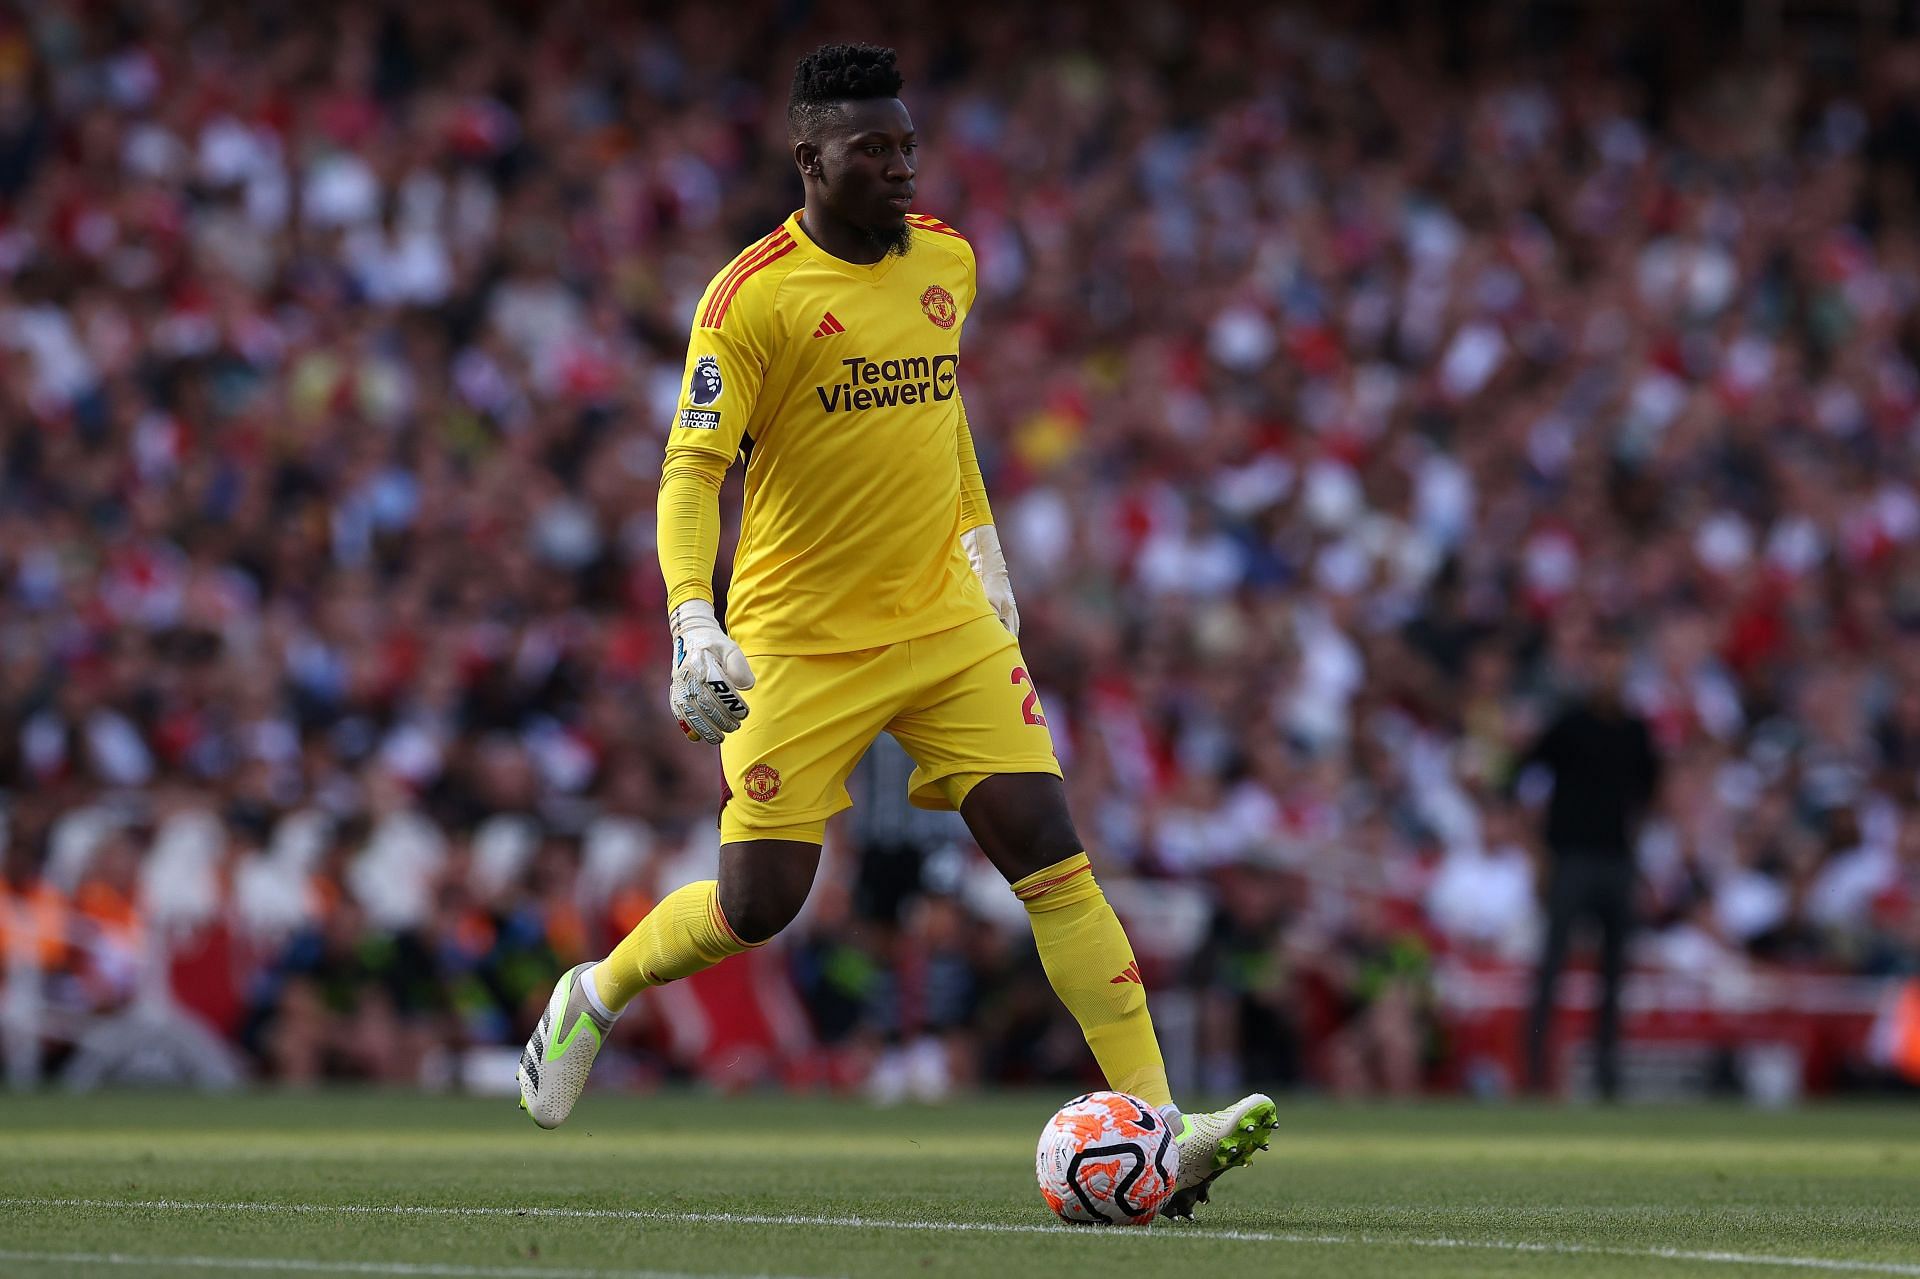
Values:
[(1106, 1159)]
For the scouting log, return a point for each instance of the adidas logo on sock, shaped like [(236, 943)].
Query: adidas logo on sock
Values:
[(829, 327), (1131, 973)]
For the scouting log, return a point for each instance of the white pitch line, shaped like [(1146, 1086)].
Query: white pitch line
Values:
[(423, 1268), (1832, 1264)]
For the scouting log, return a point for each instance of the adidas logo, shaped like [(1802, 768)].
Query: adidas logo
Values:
[(829, 327), (1130, 974)]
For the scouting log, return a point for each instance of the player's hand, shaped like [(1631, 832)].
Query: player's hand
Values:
[(990, 566), (709, 673)]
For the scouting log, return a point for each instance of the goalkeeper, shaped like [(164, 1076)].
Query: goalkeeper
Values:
[(869, 594)]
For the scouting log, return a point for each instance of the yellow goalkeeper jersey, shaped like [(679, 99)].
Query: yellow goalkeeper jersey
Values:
[(838, 383)]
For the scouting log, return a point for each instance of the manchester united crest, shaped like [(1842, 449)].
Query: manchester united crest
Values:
[(938, 304), (762, 782)]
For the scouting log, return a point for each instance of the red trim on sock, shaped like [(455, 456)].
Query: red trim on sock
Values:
[(719, 918), (1046, 886)]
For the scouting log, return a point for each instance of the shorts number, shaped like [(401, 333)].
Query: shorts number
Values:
[(1030, 708)]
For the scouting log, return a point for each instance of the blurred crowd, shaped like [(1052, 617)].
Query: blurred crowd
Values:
[(1336, 382)]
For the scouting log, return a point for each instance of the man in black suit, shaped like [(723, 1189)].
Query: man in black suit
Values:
[(1605, 775)]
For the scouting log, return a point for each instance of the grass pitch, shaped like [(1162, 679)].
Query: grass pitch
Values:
[(677, 1185)]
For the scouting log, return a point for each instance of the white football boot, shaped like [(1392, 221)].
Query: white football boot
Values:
[(554, 1067), (1210, 1144)]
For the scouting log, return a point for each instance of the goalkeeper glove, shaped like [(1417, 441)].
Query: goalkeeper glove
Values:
[(990, 566), (709, 671)]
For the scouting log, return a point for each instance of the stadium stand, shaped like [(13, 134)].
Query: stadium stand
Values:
[(1335, 381)]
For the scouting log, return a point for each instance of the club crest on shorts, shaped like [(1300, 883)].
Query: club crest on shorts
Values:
[(706, 386), (938, 304), (761, 782)]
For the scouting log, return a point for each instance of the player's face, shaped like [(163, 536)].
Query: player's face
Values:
[(867, 162)]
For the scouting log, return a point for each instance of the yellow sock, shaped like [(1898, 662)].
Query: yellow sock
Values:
[(683, 934), (1091, 965)]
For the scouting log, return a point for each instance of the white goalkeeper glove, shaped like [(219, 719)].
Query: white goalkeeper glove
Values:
[(990, 566), (709, 672)]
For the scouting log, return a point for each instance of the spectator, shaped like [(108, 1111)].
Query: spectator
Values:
[(1249, 1021), (1605, 776)]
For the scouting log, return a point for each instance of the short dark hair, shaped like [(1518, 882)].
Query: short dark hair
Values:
[(836, 73)]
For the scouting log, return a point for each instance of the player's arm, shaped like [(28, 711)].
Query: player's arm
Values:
[(977, 533), (687, 530), (723, 376)]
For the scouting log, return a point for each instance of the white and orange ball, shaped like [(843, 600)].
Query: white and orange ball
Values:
[(1107, 1158)]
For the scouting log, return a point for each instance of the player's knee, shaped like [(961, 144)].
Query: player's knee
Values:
[(1047, 841), (1045, 833), (761, 915), (759, 910), (1053, 839), (1022, 823)]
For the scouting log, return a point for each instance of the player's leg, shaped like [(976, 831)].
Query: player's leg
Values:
[(785, 773), (980, 738), (1021, 822), (761, 886)]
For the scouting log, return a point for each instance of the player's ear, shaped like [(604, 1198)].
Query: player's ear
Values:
[(807, 156)]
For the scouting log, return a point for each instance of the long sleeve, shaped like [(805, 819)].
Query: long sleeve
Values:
[(724, 371), (974, 510), (687, 533)]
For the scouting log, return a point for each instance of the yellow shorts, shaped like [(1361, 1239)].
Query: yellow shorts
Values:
[(959, 701)]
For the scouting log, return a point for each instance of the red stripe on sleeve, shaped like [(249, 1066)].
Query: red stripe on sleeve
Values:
[(740, 263), (743, 266), (767, 258)]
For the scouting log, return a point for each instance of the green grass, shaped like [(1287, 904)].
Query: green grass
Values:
[(1349, 1191)]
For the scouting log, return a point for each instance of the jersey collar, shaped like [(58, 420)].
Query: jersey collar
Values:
[(857, 270)]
